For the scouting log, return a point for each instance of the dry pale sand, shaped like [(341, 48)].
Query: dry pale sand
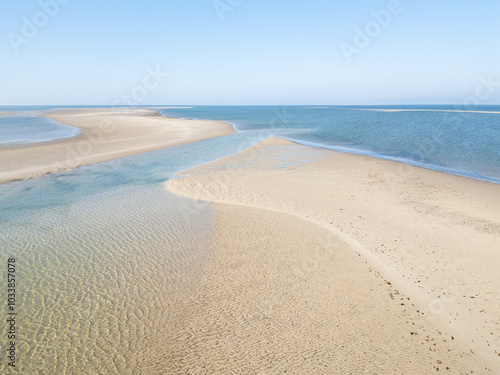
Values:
[(330, 263), (106, 134)]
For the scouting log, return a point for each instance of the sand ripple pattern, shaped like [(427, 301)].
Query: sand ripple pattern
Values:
[(284, 296), (99, 280)]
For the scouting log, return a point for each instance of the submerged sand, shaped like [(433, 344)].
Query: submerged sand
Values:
[(105, 134), (2, 114), (325, 262)]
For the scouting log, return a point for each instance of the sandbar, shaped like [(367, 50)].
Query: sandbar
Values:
[(330, 263), (105, 134), (419, 110)]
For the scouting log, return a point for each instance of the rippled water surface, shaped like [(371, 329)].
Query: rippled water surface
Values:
[(105, 255), (98, 279)]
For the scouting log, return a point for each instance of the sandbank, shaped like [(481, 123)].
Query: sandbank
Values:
[(105, 134), (330, 263), (3, 114), (418, 110)]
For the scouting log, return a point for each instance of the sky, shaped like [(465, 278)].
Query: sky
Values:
[(249, 52)]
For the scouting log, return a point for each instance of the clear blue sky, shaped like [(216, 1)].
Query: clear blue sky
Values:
[(261, 52)]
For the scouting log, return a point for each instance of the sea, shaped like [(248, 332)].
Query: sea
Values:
[(106, 257), (443, 138), (452, 139)]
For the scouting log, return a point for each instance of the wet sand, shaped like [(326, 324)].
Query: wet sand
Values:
[(106, 134), (324, 262)]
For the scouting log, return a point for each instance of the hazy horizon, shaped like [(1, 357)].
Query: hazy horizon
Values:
[(458, 105), (237, 52)]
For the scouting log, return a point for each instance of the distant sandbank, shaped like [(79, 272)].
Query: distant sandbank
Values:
[(106, 134), (3, 114), (416, 110)]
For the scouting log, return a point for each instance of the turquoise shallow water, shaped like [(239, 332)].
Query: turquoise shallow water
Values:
[(27, 128), (105, 259)]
